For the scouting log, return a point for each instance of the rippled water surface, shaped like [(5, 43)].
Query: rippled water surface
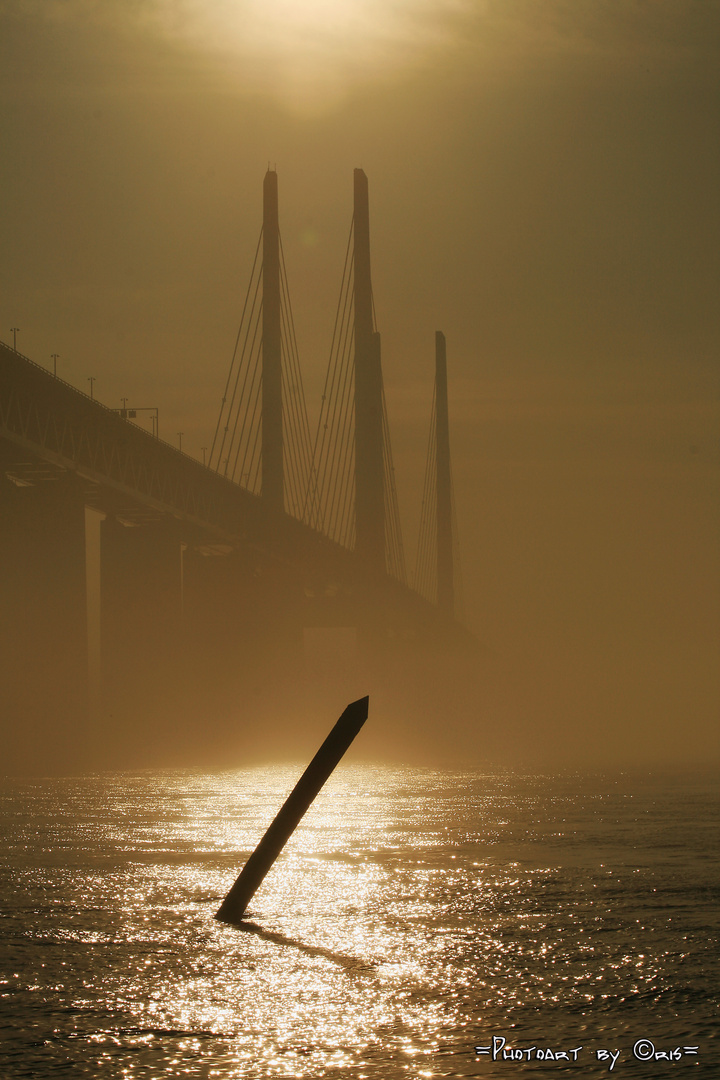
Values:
[(414, 915)]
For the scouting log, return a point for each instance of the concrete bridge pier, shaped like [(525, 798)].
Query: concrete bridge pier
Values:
[(281, 625), (141, 636), (221, 591), (43, 619), (243, 625)]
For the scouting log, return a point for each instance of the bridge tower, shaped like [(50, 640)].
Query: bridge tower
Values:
[(369, 471), (443, 523), (272, 419)]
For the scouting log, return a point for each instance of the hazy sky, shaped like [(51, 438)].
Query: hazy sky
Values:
[(544, 182)]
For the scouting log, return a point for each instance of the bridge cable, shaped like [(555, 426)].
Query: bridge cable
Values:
[(297, 452), (327, 457), (301, 410), (224, 402), (250, 429), (344, 496), (342, 448), (323, 459), (247, 399), (336, 441)]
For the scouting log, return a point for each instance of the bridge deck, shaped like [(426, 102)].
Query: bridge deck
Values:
[(46, 424)]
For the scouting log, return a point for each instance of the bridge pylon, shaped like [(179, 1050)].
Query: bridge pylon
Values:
[(369, 467), (443, 481), (272, 404)]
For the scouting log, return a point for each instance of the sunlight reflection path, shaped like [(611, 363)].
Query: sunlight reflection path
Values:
[(412, 911)]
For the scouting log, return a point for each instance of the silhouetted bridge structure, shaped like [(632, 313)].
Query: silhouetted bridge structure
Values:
[(186, 587)]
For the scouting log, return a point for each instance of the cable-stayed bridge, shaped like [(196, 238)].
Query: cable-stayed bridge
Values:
[(192, 582)]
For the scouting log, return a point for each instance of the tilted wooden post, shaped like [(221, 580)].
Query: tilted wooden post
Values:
[(233, 906)]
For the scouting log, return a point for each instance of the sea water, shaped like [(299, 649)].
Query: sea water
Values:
[(420, 923)]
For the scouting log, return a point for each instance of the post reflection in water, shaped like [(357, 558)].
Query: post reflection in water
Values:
[(414, 914)]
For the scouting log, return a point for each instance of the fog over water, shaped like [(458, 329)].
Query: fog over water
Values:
[(543, 188)]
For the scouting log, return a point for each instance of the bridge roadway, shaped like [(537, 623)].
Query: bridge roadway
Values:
[(48, 425)]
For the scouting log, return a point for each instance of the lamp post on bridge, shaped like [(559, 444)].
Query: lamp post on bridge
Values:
[(180, 435), (15, 330), (91, 380), (131, 414), (55, 357)]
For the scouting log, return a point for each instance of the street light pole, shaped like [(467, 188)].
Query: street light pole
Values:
[(14, 334), (180, 435), (55, 357), (91, 380), (129, 413)]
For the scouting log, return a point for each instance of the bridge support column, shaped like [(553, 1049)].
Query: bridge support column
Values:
[(221, 593), (244, 639), (141, 638), (43, 625)]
